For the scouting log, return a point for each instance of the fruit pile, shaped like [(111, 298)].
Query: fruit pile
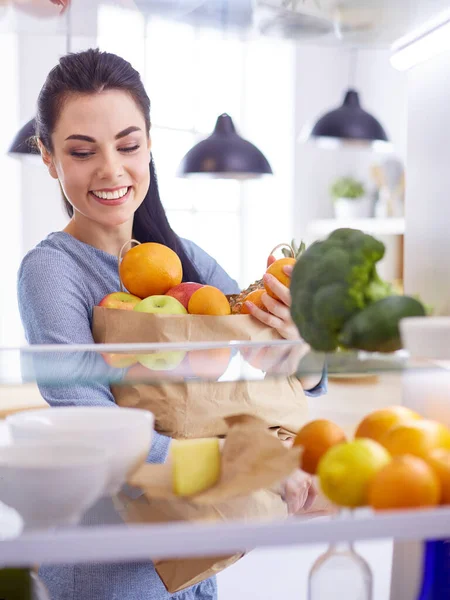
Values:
[(152, 273), (397, 460)]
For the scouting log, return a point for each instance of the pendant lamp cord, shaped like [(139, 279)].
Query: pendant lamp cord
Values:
[(352, 67), (69, 29)]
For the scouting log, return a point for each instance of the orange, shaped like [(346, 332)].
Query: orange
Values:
[(377, 423), (256, 298), (276, 269), (416, 437), (209, 364), (209, 300), (316, 438), (439, 461), (150, 269), (406, 482)]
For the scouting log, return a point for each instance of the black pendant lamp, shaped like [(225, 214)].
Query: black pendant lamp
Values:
[(349, 122), (23, 143), (225, 155)]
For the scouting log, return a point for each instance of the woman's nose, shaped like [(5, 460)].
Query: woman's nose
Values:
[(111, 166)]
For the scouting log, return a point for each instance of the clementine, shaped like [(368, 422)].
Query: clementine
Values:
[(439, 461), (150, 269), (406, 482), (209, 300), (256, 298), (316, 437), (376, 424), (209, 364), (418, 437), (276, 269)]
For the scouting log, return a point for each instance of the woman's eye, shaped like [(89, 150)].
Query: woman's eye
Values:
[(130, 148), (81, 154)]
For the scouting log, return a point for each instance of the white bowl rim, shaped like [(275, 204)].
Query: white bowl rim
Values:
[(33, 419)]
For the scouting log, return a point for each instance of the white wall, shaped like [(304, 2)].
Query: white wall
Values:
[(41, 208), (322, 78), (427, 247), (10, 201)]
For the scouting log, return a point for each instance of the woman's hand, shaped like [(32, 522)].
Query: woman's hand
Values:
[(63, 3), (276, 360), (279, 315), (299, 492)]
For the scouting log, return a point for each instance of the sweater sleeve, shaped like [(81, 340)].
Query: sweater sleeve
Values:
[(54, 309), (210, 270)]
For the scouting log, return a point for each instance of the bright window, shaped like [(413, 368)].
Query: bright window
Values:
[(192, 76)]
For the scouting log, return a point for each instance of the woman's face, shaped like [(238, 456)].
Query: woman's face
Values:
[(101, 154)]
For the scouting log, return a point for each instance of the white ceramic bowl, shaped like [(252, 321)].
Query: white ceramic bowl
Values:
[(426, 337), (54, 484), (125, 433)]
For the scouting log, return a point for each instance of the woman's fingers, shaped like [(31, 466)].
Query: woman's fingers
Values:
[(278, 288), (275, 307), (264, 317)]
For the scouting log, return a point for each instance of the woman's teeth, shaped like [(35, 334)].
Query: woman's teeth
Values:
[(111, 195)]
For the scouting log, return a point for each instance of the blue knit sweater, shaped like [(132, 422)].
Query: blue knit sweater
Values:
[(58, 284)]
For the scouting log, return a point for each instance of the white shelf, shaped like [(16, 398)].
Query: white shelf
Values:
[(392, 226), (142, 542)]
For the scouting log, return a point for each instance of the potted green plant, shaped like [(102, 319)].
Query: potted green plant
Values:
[(349, 199)]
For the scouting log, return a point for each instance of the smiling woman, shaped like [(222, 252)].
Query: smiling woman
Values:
[(93, 131)]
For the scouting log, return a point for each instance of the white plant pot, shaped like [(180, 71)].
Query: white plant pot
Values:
[(348, 208)]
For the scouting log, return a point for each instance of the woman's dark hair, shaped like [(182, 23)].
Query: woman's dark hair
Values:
[(90, 72)]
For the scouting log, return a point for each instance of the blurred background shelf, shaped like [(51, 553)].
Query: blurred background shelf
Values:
[(390, 226)]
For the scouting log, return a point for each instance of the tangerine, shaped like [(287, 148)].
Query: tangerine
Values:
[(316, 438), (439, 461), (416, 437), (150, 269), (209, 300), (209, 364), (256, 298), (376, 424), (406, 482), (276, 269)]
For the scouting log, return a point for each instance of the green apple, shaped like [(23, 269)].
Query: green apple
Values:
[(161, 304), (162, 361)]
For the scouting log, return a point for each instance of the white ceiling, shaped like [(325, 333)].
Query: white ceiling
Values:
[(353, 22), (331, 22), (356, 22)]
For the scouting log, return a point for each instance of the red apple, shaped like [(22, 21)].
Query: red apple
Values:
[(183, 292), (121, 300), (119, 360)]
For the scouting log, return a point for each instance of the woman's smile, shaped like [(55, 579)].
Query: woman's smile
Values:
[(112, 196)]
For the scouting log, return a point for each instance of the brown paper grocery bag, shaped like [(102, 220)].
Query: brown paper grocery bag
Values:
[(112, 326), (254, 462), (195, 407)]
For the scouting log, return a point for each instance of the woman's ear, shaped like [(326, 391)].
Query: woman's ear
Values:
[(48, 159)]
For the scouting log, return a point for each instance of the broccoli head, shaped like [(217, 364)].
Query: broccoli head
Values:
[(333, 280)]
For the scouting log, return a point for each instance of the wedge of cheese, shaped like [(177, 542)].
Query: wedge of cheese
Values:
[(195, 465)]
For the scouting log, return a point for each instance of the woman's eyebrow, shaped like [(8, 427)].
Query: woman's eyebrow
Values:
[(87, 138)]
